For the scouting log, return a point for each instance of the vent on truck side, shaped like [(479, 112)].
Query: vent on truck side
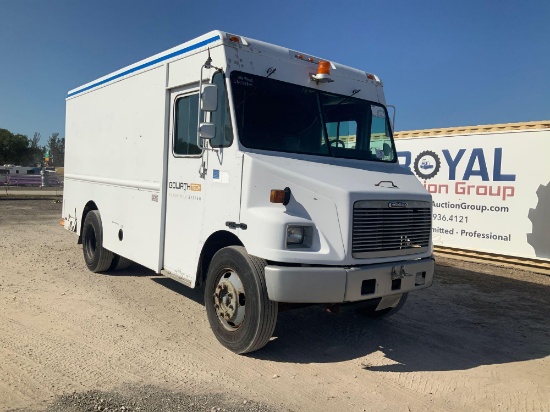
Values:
[(390, 228)]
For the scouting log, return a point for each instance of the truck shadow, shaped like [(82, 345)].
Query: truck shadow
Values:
[(136, 270), (466, 319), (196, 295)]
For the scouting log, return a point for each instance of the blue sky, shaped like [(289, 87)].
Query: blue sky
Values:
[(443, 63)]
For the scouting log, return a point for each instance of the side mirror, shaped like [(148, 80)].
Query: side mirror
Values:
[(209, 98), (207, 131)]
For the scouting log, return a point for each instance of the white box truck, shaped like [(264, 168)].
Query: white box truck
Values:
[(265, 175)]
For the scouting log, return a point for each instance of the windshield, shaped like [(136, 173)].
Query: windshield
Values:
[(284, 117)]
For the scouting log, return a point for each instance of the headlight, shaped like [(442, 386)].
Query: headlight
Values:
[(295, 235)]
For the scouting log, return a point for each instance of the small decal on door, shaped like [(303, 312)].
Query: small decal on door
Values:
[(219, 176)]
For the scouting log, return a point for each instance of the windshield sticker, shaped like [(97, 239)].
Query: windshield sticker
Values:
[(244, 81), (378, 112)]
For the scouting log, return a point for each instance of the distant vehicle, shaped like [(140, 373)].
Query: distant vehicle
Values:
[(267, 175), (11, 170), (24, 170)]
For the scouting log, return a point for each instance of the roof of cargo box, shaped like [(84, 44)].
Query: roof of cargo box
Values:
[(214, 38), (200, 43), (488, 128)]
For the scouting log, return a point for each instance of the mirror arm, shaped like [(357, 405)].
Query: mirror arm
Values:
[(205, 65)]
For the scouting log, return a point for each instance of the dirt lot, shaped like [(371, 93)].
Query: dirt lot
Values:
[(71, 340)]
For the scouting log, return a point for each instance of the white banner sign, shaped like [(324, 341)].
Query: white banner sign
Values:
[(491, 191)]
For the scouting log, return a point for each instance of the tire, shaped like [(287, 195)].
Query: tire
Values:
[(97, 258), (239, 311), (370, 311), (120, 263)]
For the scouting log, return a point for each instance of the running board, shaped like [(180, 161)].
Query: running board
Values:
[(175, 277)]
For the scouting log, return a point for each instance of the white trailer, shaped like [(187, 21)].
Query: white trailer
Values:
[(277, 183), (486, 197)]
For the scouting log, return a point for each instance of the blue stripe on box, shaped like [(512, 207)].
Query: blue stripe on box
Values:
[(144, 65)]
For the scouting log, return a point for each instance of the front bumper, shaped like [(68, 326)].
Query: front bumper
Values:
[(299, 284)]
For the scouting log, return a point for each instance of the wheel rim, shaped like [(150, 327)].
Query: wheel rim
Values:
[(90, 243), (229, 300)]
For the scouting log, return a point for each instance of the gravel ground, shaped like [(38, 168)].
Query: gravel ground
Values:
[(150, 399), (478, 339)]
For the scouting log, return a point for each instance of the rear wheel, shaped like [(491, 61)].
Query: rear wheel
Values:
[(97, 258), (119, 263), (239, 311), (370, 311)]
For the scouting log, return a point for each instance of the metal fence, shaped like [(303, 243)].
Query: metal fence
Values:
[(39, 180)]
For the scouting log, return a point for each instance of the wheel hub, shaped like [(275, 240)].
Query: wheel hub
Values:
[(229, 301)]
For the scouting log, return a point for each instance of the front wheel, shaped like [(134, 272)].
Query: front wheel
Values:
[(239, 310)]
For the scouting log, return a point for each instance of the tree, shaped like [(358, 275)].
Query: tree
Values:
[(35, 155), (35, 140), (14, 148), (56, 147), (19, 150)]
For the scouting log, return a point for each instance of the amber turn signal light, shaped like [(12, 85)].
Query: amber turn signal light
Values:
[(280, 196)]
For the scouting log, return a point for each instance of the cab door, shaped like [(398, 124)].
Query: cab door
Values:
[(203, 193), (185, 192)]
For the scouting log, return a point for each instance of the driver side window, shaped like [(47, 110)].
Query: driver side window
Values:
[(185, 136)]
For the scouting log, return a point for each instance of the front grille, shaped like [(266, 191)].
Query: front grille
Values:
[(380, 231)]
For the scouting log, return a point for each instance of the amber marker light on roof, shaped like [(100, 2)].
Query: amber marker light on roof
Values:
[(234, 39), (323, 67), (323, 72)]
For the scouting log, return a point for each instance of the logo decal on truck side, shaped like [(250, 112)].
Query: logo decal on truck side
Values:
[(194, 187)]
